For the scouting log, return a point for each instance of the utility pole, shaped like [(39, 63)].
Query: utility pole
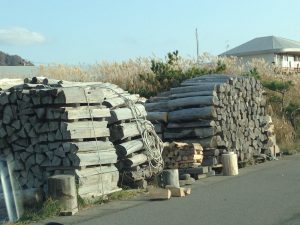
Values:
[(197, 44)]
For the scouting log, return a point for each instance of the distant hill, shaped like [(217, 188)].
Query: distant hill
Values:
[(13, 60)]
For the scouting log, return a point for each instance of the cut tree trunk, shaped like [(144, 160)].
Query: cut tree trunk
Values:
[(230, 164)]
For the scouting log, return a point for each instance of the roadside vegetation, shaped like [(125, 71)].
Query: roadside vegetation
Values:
[(150, 76), (50, 208)]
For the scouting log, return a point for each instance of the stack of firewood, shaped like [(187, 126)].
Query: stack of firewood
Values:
[(222, 113), (182, 155), (57, 127), (52, 127)]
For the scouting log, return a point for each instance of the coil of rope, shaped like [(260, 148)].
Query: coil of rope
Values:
[(152, 143)]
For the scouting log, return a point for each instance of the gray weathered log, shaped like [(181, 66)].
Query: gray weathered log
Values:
[(199, 87), (126, 113), (135, 160), (196, 123), (158, 116), (124, 130), (190, 133), (157, 106), (191, 114), (129, 147), (191, 94), (193, 101)]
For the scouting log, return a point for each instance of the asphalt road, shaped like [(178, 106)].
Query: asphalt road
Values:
[(264, 194)]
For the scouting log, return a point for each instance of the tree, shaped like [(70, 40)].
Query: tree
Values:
[(280, 87), (168, 73)]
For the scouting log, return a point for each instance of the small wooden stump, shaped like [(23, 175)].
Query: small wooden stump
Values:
[(175, 191), (159, 193), (170, 177), (63, 189), (230, 164)]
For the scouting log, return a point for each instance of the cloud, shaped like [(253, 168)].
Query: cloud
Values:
[(20, 36)]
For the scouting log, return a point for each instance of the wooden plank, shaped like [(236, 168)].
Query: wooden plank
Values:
[(83, 94), (90, 181), (87, 172), (159, 193), (91, 146), (176, 191), (84, 129), (80, 112), (103, 157)]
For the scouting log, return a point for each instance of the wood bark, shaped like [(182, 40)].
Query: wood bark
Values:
[(191, 114), (158, 116), (129, 147), (192, 101)]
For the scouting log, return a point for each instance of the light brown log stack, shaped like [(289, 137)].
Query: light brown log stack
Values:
[(181, 155)]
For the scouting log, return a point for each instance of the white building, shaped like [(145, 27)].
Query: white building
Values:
[(282, 52)]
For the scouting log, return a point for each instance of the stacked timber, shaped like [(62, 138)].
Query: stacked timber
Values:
[(136, 144), (182, 155), (51, 127), (222, 113)]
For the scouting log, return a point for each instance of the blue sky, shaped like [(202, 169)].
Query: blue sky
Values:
[(73, 31)]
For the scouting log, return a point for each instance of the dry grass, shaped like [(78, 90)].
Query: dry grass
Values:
[(285, 133), (126, 75)]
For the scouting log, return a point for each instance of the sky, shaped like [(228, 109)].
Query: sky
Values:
[(90, 31)]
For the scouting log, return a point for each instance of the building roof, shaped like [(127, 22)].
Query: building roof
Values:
[(261, 45)]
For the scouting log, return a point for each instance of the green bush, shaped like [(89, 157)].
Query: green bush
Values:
[(167, 74)]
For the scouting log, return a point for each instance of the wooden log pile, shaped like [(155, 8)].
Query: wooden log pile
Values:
[(181, 155), (139, 158), (222, 113), (51, 127)]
